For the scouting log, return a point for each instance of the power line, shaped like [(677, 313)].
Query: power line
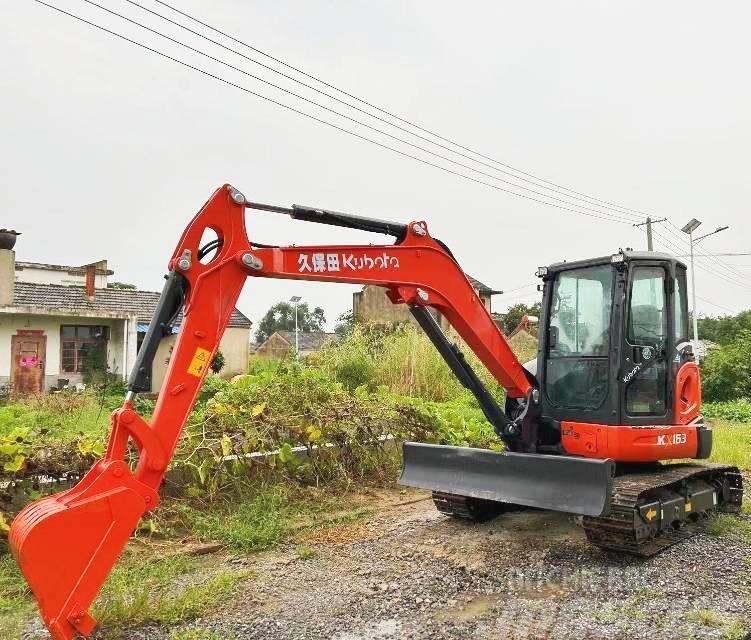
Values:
[(714, 304), (356, 108), (393, 115), (718, 274), (317, 119), (342, 115)]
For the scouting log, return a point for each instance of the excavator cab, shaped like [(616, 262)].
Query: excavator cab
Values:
[(613, 344)]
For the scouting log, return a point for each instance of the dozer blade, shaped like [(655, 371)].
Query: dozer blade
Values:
[(67, 543), (559, 483)]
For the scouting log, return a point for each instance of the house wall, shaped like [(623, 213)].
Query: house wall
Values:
[(372, 306), (11, 323), (235, 346), (275, 347), (56, 276)]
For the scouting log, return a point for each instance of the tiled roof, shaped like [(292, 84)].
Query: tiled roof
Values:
[(123, 301), (479, 286), (309, 340)]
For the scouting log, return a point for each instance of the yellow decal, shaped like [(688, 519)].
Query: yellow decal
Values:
[(651, 514), (688, 507), (199, 362)]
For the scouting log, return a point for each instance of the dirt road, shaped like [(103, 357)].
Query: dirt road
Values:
[(412, 573)]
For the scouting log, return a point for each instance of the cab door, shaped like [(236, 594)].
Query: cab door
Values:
[(647, 348)]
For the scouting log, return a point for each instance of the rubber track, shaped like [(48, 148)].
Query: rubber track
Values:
[(616, 532)]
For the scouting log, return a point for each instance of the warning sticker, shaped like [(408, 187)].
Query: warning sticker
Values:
[(199, 362)]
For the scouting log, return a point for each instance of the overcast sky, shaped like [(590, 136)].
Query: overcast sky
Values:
[(109, 150)]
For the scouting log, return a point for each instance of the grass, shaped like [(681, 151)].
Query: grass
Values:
[(725, 524), (200, 634), (16, 605), (731, 443), (271, 515), (160, 590), (306, 552), (163, 590), (705, 617)]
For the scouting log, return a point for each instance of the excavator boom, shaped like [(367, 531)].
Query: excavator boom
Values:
[(93, 521)]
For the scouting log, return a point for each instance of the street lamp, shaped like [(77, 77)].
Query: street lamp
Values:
[(295, 300), (689, 228)]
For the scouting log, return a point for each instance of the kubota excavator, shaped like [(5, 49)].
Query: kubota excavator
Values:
[(614, 391)]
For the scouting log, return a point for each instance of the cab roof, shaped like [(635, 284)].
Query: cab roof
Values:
[(628, 256)]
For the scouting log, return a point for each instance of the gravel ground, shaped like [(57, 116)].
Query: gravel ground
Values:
[(412, 573)]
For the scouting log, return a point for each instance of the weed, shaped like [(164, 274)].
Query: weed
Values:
[(306, 552), (200, 634), (738, 629), (161, 590), (725, 524), (16, 607), (705, 617)]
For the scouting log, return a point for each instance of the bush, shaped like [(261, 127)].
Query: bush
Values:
[(403, 360), (734, 411), (726, 372)]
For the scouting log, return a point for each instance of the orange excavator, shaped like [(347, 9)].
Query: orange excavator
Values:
[(613, 392)]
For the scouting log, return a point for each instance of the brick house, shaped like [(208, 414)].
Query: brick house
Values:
[(370, 305), (55, 318), (281, 344)]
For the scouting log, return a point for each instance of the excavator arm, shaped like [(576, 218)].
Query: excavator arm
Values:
[(67, 543)]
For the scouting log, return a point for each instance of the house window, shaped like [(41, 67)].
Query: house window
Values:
[(82, 346)]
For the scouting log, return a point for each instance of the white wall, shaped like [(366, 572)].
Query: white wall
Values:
[(54, 276), (116, 361)]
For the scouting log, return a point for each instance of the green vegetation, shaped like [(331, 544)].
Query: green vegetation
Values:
[(266, 516), (281, 317), (402, 360), (199, 634), (726, 372), (161, 590), (725, 524), (731, 443), (705, 617), (724, 329), (732, 410), (16, 605), (305, 552)]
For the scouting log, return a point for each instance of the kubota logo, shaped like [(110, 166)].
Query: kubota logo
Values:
[(630, 375)]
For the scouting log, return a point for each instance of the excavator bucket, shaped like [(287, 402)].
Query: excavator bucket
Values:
[(559, 483), (67, 543)]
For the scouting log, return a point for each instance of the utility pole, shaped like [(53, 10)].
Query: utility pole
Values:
[(296, 300), (649, 222), (689, 228)]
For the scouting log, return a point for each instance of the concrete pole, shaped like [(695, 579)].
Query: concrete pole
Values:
[(297, 334), (693, 289), (650, 246)]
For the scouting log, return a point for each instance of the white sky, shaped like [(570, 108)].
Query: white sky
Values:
[(108, 150)]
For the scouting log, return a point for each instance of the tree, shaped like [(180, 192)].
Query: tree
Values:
[(345, 323), (725, 329), (281, 317), (514, 315)]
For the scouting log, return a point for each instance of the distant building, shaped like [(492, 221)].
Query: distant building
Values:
[(281, 344), (53, 317), (371, 305)]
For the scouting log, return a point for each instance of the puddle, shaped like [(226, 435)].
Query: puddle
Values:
[(381, 630), (473, 609)]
